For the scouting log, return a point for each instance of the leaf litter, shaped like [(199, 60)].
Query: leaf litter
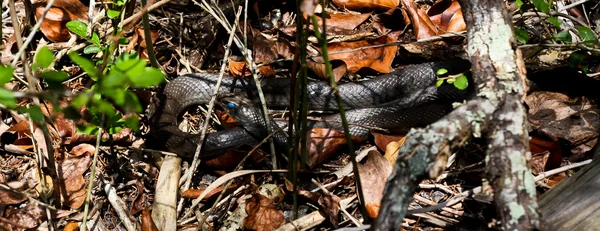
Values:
[(258, 201)]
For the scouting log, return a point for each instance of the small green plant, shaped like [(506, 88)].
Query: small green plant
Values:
[(459, 81)]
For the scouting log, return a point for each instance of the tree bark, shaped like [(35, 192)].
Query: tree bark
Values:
[(496, 114)]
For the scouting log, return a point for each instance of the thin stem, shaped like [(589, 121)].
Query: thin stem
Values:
[(333, 84), (148, 36), (90, 187)]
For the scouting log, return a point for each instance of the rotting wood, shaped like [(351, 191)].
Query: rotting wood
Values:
[(574, 204), (497, 114)]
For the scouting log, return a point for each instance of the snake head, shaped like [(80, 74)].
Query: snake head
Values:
[(244, 111)]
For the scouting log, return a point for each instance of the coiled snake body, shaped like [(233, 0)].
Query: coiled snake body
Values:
[(399, 100)]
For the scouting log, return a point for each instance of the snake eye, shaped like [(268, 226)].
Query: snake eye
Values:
[(230, 105)]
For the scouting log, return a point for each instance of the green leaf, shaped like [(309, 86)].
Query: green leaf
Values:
[(576, 59), (55, 76), (554, 21), (95, 39), (150, 77), (113, 13), (586, 33), (439, 82), (518, 4), (114, 79), (6, 74), (132, 103), (35, 113), (564, 36), (87, 129), (91, 49), (461, 82), (522, 36), (441, 71), (85, 64), (7, 98), (131, 67), (117, 95), (80, 101), (542, 6), (133, 122), (80, 28), (43, 58), (77, 27)]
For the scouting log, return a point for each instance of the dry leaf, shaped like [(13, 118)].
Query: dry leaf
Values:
[(344, 21), (331, 204), (147, 221), (262, 214), (11, 198), (321, 143), (373, 176), (367, 5), (71, 186), (195, 193), (61, 12), (557, 116), (24, 218), (378, 59), (423, 26), (447, 15), (71, 226), (539, 145), (339, 69)]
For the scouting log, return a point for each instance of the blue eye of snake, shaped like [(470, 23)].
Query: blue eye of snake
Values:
[(230, 105)]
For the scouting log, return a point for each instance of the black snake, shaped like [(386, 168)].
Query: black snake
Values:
[(399, 100)]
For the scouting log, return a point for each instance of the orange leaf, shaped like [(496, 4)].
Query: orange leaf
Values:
[(367, 5), (262, 214), (378, 59), (61, 12)]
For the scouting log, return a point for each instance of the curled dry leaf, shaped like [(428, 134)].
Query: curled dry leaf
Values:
[(447, 15), (373, 176), (367, 5), (423, 26), (232, 158), (262, 214), (557, 116), (71, 188), (331, 204), (339, 69), (378, 59), (62, 11), (538, 145)]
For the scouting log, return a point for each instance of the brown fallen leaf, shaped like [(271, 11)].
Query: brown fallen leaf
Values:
[(382, 140), (71, 226), (24, 218), (558, 116), (62, 11), (373, 176), (423, 26), (262, 214), (539, 145), (11, 198), (388, 21), (344, 20), (71, 188), (331, 204), (232, 158), (138, 41), (367, 5), (339, 69), (447, 15), (321, 143), (378, 59), (147, 221)]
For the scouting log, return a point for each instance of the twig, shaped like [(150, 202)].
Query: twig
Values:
[(574, 4), (543, 175), (117, 205), (211, 104)]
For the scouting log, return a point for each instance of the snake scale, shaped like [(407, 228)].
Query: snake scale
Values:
[(398, 100)]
